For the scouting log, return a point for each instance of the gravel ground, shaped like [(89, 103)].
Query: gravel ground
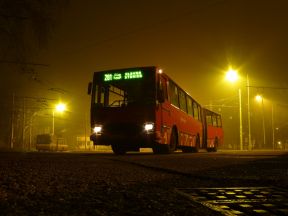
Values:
[(105, 184), (78, 184)]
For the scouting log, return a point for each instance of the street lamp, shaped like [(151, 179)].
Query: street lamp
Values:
[(60, 107), (260, 99), (232, 76)]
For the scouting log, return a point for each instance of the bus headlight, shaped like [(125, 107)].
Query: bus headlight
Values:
[(148, 127), (97, 129)]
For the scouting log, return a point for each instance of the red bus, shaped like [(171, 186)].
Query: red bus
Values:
[(142, 107), (213, 132)]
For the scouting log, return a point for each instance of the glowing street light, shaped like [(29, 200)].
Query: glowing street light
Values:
[(60, 107), (232, 76), (258, 98)]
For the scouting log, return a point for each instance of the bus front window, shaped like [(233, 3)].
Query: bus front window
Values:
[(121, 92), (113, 96), (109, 96)]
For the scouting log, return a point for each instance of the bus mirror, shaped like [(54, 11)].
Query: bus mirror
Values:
[(89, 88), (161, 98)]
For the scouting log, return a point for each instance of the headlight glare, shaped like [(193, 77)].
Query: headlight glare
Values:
[(148, 127), (97, 129)]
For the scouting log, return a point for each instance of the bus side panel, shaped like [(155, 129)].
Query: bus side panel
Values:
[(212, 133), (164, 122), (187, 127), (169, 116), (164, 117)]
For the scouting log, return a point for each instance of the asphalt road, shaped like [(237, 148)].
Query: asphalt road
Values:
[(140, 183)]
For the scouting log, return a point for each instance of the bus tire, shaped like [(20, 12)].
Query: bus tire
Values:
[(167, 148), (195, 149), (118, 149), (173, 141), (187, 149), (216, 144), (157, 148), (214, 149)]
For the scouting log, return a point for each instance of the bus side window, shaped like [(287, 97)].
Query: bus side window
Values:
[(165, 89), (162, 93), (96, 94), (189, 106), (195, 110), (214, 119), (219, 121), (199, 113), (208, 119), (99, 95), (173, 93), (182, 100)]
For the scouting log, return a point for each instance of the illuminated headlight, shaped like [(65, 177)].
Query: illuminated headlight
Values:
[(148, 127), (97, 129)]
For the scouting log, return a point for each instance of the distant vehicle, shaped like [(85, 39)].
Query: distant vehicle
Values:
[(46, 142), (143, 108)]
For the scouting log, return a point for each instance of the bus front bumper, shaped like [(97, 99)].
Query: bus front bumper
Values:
[(141, 140)]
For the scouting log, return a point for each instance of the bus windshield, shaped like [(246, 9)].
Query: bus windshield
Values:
[(124, 87)]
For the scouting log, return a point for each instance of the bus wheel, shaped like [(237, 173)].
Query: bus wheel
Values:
[(164, 148), (197, 146), (214, 149), (216, 143), (173, 142), (157, 149), (118, 150), (187, 149)]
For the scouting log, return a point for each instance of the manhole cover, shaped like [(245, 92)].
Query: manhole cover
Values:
[(240, 200)]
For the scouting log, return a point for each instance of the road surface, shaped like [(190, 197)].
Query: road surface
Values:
[(143, 183)]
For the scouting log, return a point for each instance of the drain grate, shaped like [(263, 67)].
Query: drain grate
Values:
[(240, 200)]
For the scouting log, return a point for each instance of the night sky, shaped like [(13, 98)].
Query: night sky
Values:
[(193, 41)]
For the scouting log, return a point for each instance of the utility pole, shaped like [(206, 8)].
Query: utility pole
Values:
[(273, 131), (12, 122), (249, 115), (263, 124), (85, 139), (23, 129), (240, 120)]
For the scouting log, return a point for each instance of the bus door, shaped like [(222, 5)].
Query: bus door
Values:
[(163, 121)]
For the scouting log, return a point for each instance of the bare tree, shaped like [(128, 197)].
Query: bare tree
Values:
[(25, 27)]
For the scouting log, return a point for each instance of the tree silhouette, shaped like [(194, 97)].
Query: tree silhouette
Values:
[(25, 28)]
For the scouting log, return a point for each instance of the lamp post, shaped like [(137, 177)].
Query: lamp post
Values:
[(249, 115), (59, 108), (260, 99), (232, 76)]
